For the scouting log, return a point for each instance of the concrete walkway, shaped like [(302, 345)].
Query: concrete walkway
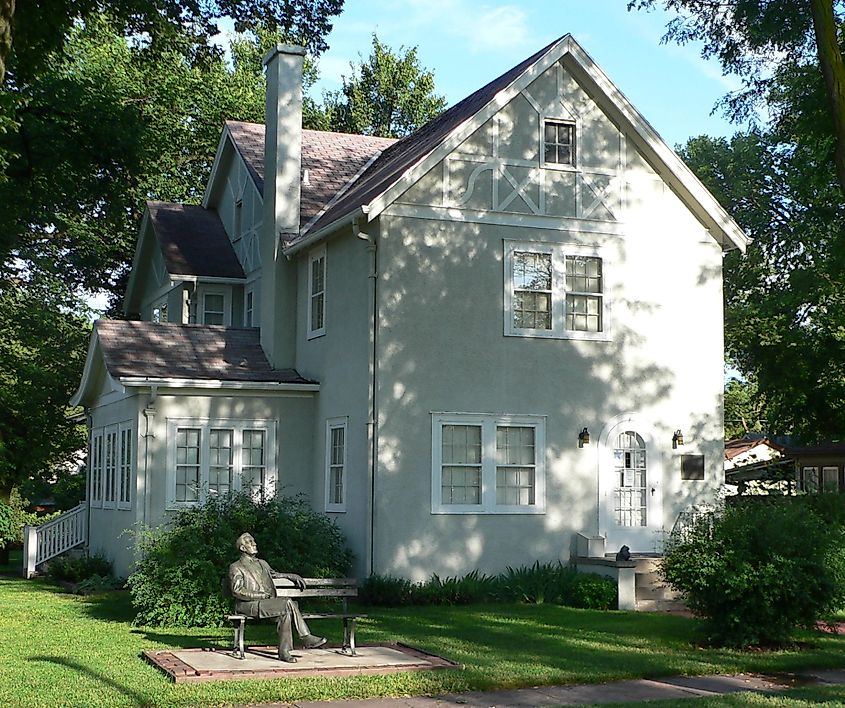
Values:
[(671, 688)]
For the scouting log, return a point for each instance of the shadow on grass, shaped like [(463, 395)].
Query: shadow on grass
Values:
[(184, 641), (79, 668), (114, 606)]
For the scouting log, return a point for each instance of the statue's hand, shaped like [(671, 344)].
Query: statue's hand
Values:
[(297, 580)]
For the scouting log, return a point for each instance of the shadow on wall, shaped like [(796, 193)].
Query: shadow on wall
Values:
[(442, 349)]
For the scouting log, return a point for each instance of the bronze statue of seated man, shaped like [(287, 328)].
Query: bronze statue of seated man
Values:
[(251, 582)]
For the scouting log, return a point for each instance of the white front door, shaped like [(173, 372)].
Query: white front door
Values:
[(630, 490)]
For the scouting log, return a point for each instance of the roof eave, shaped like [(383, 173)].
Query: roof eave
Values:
[(136, 261), (88, 372), (172, 382), (313, 238)]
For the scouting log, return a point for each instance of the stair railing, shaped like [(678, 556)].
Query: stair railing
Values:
[(41, 543)]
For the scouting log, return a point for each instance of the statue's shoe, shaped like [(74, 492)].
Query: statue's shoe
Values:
[(286, 656), (309, 641)]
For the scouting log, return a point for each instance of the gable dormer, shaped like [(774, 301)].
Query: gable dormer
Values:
[(185, 270)]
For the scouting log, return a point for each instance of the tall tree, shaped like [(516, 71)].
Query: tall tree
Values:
[(761, 40), (389, 94)]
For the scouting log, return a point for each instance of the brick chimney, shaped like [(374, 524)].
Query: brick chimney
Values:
[(282, 166)]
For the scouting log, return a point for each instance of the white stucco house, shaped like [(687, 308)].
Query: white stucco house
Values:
[(468, 346)]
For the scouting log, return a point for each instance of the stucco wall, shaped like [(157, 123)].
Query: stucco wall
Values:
[(442, 347), (339, 361)]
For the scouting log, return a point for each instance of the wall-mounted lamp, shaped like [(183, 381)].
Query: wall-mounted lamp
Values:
[(677, 439), (583, 438)]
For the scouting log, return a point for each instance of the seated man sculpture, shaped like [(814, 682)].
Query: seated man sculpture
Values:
[(251, 582)]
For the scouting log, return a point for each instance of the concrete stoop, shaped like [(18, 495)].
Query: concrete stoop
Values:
[(651, 592)]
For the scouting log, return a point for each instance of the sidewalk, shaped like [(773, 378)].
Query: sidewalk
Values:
[(674, 687)]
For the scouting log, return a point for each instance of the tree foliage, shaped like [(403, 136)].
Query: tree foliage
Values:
[(389, 94), (783, 183)]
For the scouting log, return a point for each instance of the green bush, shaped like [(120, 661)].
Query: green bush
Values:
[(97, 584), (13, 517), (539, 583), (178, 580), (74, 568), (761, 569)]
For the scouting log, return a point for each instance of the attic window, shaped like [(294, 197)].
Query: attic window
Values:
[(559, 143)]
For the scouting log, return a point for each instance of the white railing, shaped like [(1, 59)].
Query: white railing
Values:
[(41, 543)]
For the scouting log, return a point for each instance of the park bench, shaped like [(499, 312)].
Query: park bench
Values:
[(317, 588)]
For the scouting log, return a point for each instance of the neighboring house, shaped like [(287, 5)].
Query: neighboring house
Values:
[(420, 335), (819, 467), (757, 465)]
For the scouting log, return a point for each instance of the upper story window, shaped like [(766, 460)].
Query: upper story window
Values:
[(317, 293), (485, 464), (559, 142), (159, 312), (555, 290), (249, 308), (213, 308)]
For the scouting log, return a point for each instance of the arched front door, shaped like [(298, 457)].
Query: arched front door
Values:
[(630, 489)]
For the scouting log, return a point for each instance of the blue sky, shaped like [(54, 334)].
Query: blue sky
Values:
[(467, 43)]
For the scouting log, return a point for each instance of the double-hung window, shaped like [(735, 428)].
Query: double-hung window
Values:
[(555, 290), (213, 308), (110, 464), (317, 293), (216, 457), (488, 464), (336, 481)]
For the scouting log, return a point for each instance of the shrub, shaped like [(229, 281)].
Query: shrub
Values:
[(386, 591), (13, 517), (590, 592), (761, 569), (473, 587), (97, 584), (178, 580), (537, 584), (75, 568)]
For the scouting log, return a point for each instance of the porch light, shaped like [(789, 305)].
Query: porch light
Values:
[(677, 439), (583, 438)]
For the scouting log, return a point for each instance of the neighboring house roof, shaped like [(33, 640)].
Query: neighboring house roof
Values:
[(153, 350), (193, 241), (332, 160), (733, 448), (830, 449), (745, 452)]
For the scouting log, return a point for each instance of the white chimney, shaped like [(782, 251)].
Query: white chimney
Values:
[(282, 165), (283, 136)]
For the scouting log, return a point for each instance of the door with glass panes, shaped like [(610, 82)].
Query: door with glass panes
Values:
[(630, 492)]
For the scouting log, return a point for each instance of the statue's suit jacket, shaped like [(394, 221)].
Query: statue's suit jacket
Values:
[(251, 581)]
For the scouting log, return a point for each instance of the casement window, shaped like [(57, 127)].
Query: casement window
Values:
[(111, 460), (810, 479), (216, 457), (556, 291), (485, 464), (317, 293), (830, 479), (559, 143), (336, 480), (213, 308)]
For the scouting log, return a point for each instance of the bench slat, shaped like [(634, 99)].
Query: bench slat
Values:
[(314, 592), (319, 582)]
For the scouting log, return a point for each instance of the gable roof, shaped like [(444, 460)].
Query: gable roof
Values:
[(733, 448), (193, 241), (407, 160), (332, 160)]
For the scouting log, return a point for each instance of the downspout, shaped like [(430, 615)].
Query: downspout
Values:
[(149, 412), (372, 432)]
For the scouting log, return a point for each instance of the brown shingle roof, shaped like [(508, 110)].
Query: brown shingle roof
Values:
[(332, 160), (162, 351), (193, 241)]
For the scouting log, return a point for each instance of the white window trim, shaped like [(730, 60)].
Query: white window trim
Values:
[(557, 165), (558, 251), (251, 289), (206, 424), (127, 428), (488, 423), (334, 424), (98, 468), (227, 306), (315, 255)]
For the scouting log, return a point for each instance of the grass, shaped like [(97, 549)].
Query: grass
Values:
[(65, 650), (793, 698)]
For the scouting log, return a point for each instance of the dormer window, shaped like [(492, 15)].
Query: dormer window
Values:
[(559, 142)]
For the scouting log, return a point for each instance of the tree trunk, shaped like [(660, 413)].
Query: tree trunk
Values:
[(833, 70), (7, 13)]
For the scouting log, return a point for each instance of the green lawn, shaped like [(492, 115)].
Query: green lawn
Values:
[(63, 650)]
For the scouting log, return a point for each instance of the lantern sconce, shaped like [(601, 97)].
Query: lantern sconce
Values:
[(677, 439), (583, 438)]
